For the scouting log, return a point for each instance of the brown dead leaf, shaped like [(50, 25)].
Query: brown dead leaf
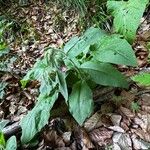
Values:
[(101, 136), (117, 129), (107, 108), (143, 135), (116, 119), (127, 112), (124, 126), (66, 137), (92, 122), (143, 121), (82, 138), (127, 97), (145, 108), (138, 144), (145, 99), (106, 120), (123, 140)]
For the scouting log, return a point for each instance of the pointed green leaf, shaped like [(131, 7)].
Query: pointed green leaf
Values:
[(44, 73), (143, 79), (104, 74), (36, 119), (3, 123), (80, 102), (11, 143), (115, 50), (127, 16), (61, 79), (71, 43), (2, 139), (83, 43)]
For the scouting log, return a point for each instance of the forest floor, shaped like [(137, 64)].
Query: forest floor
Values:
[(122, 117)]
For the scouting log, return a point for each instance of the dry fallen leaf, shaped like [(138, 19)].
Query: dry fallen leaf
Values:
[(138, 144), (91, 123), (143, 135), (101, 136), (116, 119), (127, 97), (82, 138), (123, 140), (117, 129), (127, 112)]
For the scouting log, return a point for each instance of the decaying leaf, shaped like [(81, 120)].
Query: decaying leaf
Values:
[(142, 135), (123, 140), (82, 139), (139, 144), (117, 129), (92, 122), (127, 112), (101, 136), (116, 119)]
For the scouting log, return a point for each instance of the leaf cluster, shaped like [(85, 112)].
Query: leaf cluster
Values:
[(85, 61)]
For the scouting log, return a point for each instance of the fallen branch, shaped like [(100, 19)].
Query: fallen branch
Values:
[(12, 129)]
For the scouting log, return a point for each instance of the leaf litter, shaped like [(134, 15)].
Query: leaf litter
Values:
[(118, 127)]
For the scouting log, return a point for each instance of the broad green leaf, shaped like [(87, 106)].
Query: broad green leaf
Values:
[(61, 79), (143, 79), (44, 73), (36, 119), (80, 101), (82, 44), (114, 50), (2, 139), (11, 143), (71, 43), (104, 74), (127, 16)]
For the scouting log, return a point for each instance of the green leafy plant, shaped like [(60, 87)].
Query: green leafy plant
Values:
[(142, 79), (83, 61), (135, 107), (127, 15)]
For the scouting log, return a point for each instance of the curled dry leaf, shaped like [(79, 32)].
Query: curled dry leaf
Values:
[(124, 126), (127, 112), (101, 136), (66, 137), (128, 98), (145, 99), (145, 108), (116, 147), (106, 120), (116, 119), (140, 123), (123, 140), (117, 129), (92, 122), (138, 144), (141, 134), (53, 140), (146, 120)]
